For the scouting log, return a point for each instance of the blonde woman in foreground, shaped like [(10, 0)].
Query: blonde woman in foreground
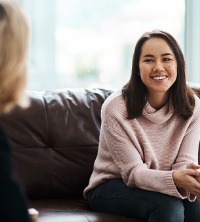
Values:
[(14, 38)]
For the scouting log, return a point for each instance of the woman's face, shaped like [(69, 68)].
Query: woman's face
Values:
[(158, 66)]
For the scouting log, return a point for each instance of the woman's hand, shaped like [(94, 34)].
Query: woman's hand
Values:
[(188, 179), (194, 167)]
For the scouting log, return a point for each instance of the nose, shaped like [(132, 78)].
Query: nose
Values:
[(158, 67)]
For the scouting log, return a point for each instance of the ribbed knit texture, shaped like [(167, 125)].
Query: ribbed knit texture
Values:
[(145, 151)]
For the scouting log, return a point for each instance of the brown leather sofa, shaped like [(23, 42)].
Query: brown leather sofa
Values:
[(54, 144)]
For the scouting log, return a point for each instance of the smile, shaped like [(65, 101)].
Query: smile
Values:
[(159, 77)]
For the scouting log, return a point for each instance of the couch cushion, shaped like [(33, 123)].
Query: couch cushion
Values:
[(76, 210), (55, 140)]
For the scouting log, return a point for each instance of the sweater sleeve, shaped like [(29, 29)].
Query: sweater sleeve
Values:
[(129, 161), (189, 147)]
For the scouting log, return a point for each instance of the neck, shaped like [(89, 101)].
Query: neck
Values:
[(158, 100)]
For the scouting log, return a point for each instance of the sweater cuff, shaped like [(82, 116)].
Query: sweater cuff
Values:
[(191, 197), (174, 190)]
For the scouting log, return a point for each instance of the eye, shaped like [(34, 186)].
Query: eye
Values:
[(148, 60), (167, 59)]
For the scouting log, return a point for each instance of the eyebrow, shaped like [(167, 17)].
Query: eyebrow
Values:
[(164, 54)]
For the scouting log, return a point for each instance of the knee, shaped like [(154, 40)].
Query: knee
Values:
[(168, 209)]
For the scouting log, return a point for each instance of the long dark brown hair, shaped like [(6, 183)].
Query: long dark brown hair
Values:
[(135, 92)]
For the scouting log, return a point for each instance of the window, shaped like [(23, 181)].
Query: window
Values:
[(192, 40), (90, 43)]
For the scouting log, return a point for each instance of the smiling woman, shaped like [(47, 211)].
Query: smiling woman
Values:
[(150, 129), (89, 43)]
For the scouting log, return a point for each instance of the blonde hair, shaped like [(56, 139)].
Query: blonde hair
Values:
[(14, 39)]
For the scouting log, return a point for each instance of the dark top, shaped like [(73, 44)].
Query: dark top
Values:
[(13, 207)]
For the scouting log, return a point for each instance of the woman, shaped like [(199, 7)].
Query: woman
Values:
[(14, 37), (146, 165)]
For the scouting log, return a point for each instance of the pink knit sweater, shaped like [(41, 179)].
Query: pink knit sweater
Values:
[(146, 150)]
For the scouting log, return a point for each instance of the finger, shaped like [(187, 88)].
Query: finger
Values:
[(194, 173), (196, 167), (196, 192), (195, 188), (193, 166), (198, 179)]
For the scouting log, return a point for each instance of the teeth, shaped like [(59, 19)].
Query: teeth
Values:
[(159, 77)]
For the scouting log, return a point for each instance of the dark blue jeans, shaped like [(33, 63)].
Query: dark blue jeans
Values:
[(116, 198)]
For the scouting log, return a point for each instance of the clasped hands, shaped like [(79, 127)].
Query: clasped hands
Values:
[(189, 178)]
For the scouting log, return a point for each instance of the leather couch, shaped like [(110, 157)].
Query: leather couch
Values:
[(54, 145)]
